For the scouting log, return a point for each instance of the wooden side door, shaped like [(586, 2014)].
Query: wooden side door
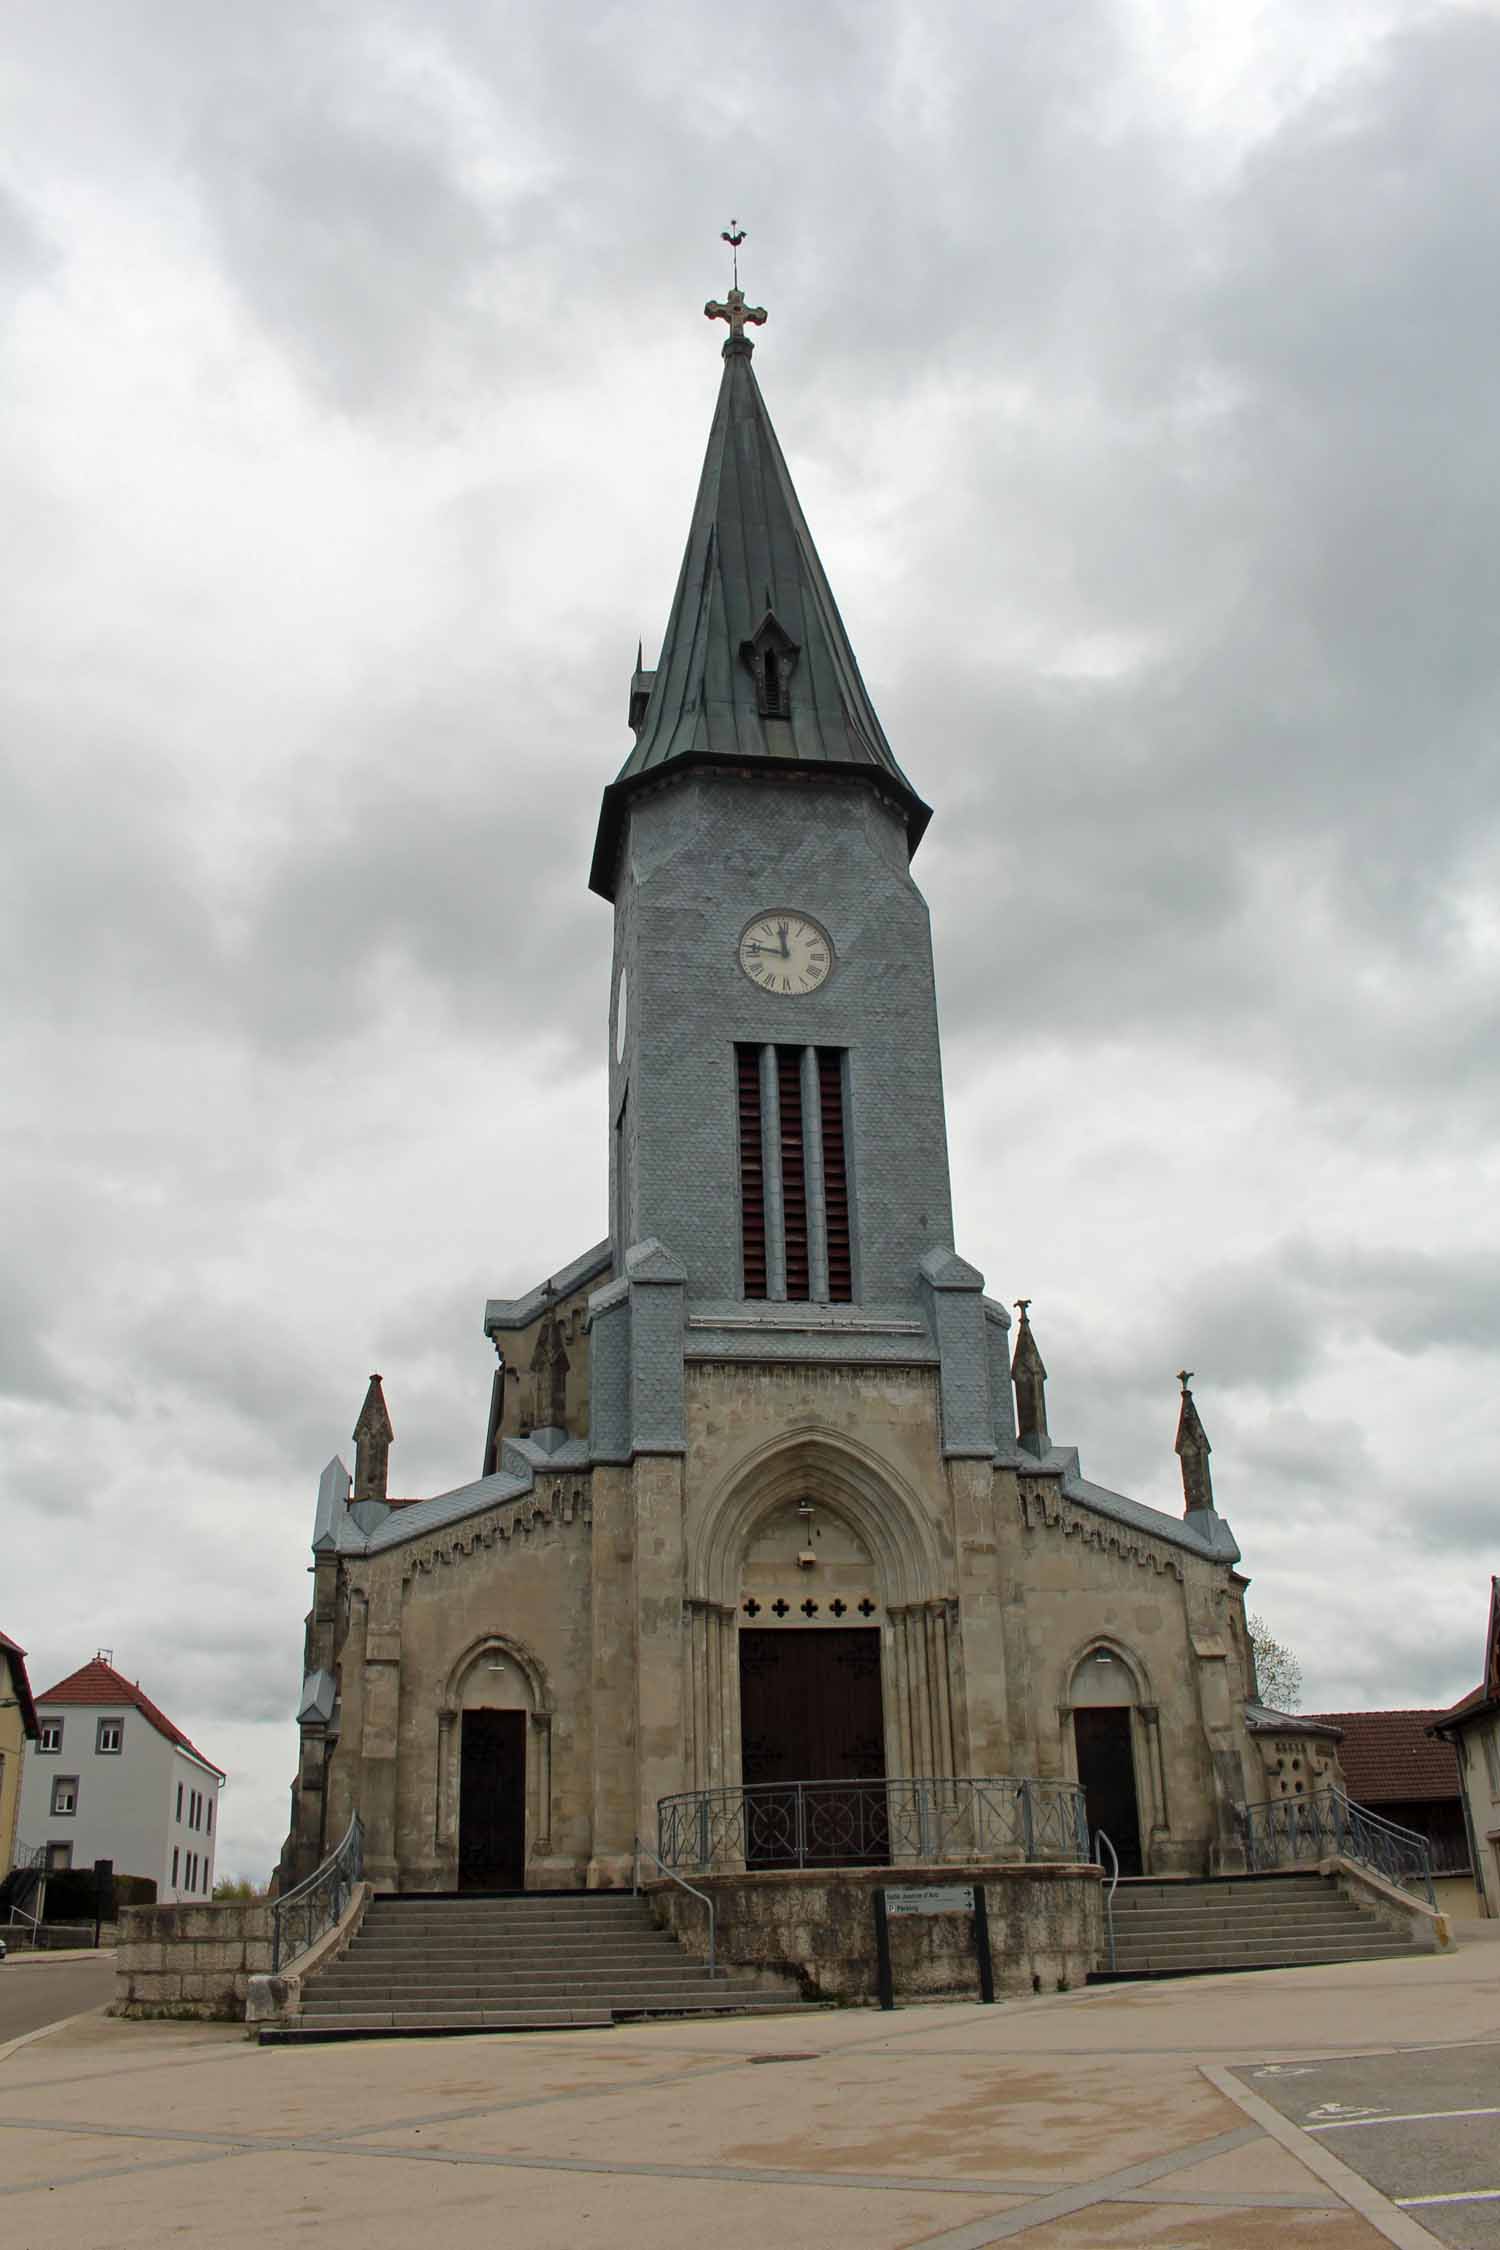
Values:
[(492, 1801)]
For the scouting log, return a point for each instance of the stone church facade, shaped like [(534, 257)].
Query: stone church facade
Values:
[(768, 1491)]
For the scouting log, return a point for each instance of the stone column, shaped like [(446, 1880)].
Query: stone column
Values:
[(381, 1744), (612, 1678)]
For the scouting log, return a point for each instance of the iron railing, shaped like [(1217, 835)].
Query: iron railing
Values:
[(25, 1882), (299, 1919), (872, 1824), (1285, 1831), (1103, 1844)]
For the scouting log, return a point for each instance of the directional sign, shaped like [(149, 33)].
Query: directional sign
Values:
[(930, 1898)]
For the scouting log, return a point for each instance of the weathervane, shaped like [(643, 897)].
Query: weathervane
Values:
[(735, 311), (1184, 1377)]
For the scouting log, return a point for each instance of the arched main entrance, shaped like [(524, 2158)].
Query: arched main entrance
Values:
[(823, 1650), (811, 1706)]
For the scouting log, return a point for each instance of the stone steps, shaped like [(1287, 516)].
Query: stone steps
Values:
[(1187, 1929), (513, 1964)]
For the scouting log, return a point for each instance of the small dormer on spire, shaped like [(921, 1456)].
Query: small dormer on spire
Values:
[(770, 657), (372, 1445), (1192, 1450), (1030, 1379), (641, 684)]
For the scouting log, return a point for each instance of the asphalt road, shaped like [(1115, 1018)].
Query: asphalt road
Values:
[(1423, 2127), (36, 1992)]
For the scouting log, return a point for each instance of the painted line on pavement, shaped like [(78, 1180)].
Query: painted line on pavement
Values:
[(1397, 2117), (1464, 2195), (1349, 2185)]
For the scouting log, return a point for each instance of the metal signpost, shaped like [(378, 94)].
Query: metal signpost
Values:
[(931, 1898)]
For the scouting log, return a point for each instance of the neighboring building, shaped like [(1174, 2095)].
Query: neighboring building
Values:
[(768, 1492), (17, 1728), (1473, 1727), (1395, 1767), (112, 1778), (1299, 1755)]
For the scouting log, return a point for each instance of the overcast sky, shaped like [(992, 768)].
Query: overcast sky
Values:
[(1136, 362)]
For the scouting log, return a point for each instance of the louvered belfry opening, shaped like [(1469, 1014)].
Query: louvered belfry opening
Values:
[(752, 1172), (796, 1230), (793, 1173), (835, 1176)]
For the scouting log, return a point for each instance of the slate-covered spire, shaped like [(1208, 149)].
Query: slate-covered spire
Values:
[(372, 1445), (755, 664), (1193, 1450), (1030, 1378)]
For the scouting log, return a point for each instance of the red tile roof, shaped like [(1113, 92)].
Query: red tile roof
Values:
[(17, 1655), (99, 1684), (1388, 1757)]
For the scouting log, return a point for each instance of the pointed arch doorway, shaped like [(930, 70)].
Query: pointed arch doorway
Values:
[(1103, 1699), (812, 1713)]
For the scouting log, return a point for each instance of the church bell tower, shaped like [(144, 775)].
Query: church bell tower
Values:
[(776, 1104)]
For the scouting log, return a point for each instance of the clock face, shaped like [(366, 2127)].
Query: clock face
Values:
[(620, 1019), (786, 952)]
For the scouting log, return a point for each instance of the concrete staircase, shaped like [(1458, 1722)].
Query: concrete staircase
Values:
[(1255, 1922), (514, 1964)]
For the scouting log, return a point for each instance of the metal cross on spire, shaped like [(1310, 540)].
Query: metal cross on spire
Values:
[(1184, 1377), (735, 310)]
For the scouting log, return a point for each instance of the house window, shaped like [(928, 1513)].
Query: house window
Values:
[(1491, 1740), (64, 1795), (50, 1738), (109, 1737), (176, 1854), (179, 1809), (59, 1858), (208, 1815)]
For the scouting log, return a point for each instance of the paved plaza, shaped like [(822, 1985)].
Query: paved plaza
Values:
[(1289, 2107)]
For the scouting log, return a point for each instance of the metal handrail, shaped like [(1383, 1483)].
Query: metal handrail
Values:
[(320, 1898), (673, 1876), (1280, 1831), (1100, 1837), (28, 1860), (842, 1823)]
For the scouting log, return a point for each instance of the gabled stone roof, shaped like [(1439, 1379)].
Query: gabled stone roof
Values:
[(750, 575)]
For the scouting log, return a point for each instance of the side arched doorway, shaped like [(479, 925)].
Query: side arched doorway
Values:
[(495, 1765), (1102, 1695)]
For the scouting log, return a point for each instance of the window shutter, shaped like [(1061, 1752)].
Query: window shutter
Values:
[(835, 1176), (752, 1172)]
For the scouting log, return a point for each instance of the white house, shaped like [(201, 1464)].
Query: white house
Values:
[(110, 1777)]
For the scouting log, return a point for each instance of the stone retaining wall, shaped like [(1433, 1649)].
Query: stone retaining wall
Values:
[(191, 1960), (818, 1925)]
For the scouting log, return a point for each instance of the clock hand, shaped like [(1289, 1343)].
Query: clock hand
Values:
[(786, 951)]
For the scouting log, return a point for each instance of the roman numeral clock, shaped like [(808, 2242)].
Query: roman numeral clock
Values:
[(786, 952)]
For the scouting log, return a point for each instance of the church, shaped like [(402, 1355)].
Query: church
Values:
[(773, 1560)]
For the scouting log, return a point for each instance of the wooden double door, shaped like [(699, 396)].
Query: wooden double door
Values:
[(811, 1714)]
